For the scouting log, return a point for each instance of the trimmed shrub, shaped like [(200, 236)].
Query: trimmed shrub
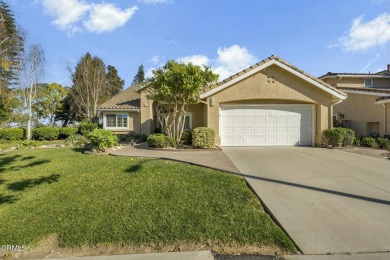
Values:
[(77, 140), (86, 128), (334, 136), (383, 143), (186, 137), (102, 139), (369, 142), (65, 132), (160, 141), (45, 133), (349, 137), (203, 137), (12, 134)]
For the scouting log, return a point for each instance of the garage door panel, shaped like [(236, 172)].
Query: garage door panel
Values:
[(266, 125)]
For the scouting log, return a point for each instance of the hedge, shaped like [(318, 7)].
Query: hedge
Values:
[(369, 142), (45, 133), (160, 141), (203, 137), (65, 132), (383, 142), (12, 134), (86, 128)]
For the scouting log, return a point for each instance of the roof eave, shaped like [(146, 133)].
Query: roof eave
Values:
[(119, 109), (337, 94)]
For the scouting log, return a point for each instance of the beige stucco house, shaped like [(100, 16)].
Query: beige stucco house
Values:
[(367, 108), (268, 104)]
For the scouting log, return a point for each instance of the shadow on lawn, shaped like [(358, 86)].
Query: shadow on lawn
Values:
[(137, 167), (31, 164), (7, 199), (24, 184)]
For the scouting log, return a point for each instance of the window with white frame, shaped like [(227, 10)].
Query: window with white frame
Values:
[(188, 121), (116, 120), (368, 83)]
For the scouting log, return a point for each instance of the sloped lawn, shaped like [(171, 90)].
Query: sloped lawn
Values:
[(105, 200)]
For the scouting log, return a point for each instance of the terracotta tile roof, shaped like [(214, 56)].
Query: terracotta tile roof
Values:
[(380, 74), (384, 91), (383, 98), (127, 99), (273, 57)]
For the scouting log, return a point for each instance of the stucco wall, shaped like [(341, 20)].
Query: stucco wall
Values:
[(146, 119), (361, 109), (272, 85), (197, 115), (357, 82)]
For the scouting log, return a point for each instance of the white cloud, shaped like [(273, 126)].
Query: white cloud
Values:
[(363, 36), (229, 60), (67, 12), (232, 60), (107, 17), (199, 60), (155, 1), (71, 15)]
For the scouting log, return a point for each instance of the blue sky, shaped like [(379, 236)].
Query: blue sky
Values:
[(228, 35)]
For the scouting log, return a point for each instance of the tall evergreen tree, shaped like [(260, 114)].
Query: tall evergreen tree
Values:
[(89, 86), (114, 82), (10, 44), (140, 76)]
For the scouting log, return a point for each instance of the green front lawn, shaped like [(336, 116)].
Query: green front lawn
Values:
[(4, 144), (106, 200)]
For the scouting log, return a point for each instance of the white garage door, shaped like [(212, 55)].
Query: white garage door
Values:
[(268, 125)]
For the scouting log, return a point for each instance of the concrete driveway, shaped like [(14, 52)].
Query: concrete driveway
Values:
[(327, 200)]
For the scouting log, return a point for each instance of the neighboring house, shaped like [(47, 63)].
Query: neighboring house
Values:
[(367, 108), (270, 103)]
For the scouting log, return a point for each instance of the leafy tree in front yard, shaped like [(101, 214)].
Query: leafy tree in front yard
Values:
[(49, 101), (173, 88)]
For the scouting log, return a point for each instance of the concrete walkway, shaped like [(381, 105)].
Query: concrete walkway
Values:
[(214, 159), (328, 201)]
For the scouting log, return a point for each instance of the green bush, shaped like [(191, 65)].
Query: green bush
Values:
[(383, 143), (203, 137), (65, 132), (86, 128), (77, 140), (349, 137), (358, 141), (12, 134), (45, 133), (102, 139), (334, 136), (369, 142), (28, 144), (160, 141), (186, 137)]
